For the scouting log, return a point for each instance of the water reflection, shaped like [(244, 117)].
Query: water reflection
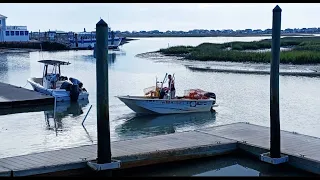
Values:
[(113, 55), (235, 164), (13, 66), (241, 165), (138, 126), (4, 67), (54, 118), (236, 169), (111, 58)]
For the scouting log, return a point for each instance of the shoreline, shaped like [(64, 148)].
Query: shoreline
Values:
[(127, 40), (17, 50), (211, 35), (49, 46), (23, 47), (259, 72), (44, 46), (164, 58)]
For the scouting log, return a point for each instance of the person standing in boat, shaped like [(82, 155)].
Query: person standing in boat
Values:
[(171, 86), (53, 80), (77, 82)]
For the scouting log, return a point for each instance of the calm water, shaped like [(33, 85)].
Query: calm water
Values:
[(241, 98)]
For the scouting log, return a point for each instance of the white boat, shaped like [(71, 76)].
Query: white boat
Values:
[(145, 105), (53, 84), (168, 105), (88, 40)]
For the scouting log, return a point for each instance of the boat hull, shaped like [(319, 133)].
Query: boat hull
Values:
[(89, 44), (59, 94), (143, 105)]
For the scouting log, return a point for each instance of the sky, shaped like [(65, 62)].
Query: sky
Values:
[(158, 16)]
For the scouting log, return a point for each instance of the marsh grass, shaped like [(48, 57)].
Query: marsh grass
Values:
[(305, 50)]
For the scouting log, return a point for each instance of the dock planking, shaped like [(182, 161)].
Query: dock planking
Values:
[(303, 150), (17, 97), (173, 147), (131, 153), (4, 172)]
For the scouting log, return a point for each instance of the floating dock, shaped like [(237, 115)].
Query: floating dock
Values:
[(18, 97), (303, 151)]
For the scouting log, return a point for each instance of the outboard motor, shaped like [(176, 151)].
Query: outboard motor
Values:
[(74, 92)]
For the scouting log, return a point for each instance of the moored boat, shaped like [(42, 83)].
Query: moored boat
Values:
[(54, 84), (88, 40)]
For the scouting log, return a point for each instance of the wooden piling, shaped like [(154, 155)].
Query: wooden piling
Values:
[(274, 85), (103, 126)]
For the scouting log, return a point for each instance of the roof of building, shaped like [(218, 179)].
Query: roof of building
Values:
[(2, 16)]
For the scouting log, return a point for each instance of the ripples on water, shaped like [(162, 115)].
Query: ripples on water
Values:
[(240, 97)]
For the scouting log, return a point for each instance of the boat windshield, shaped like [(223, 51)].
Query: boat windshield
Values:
[(52, 70)]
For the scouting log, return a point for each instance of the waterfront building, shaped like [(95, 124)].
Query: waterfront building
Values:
[(12, 33)]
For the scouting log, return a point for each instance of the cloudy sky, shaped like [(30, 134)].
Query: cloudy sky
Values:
[(136, 16)]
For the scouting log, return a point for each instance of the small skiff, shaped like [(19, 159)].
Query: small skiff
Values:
[(157, 100)]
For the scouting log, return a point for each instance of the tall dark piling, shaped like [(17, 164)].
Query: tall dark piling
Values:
[(103, 126), (274, 85)]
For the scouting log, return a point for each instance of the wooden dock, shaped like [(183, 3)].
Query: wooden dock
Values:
[(18, 97), (303, 150)]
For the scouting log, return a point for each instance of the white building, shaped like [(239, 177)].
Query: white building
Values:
[(12, 33)]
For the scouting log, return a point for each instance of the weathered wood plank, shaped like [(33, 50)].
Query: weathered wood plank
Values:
[(4, 172), (57, 157), (143, 148), (175, 146), (304, 148), (11, 164), (17, 97), (253, 134), (54, 158), (166, 142)]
